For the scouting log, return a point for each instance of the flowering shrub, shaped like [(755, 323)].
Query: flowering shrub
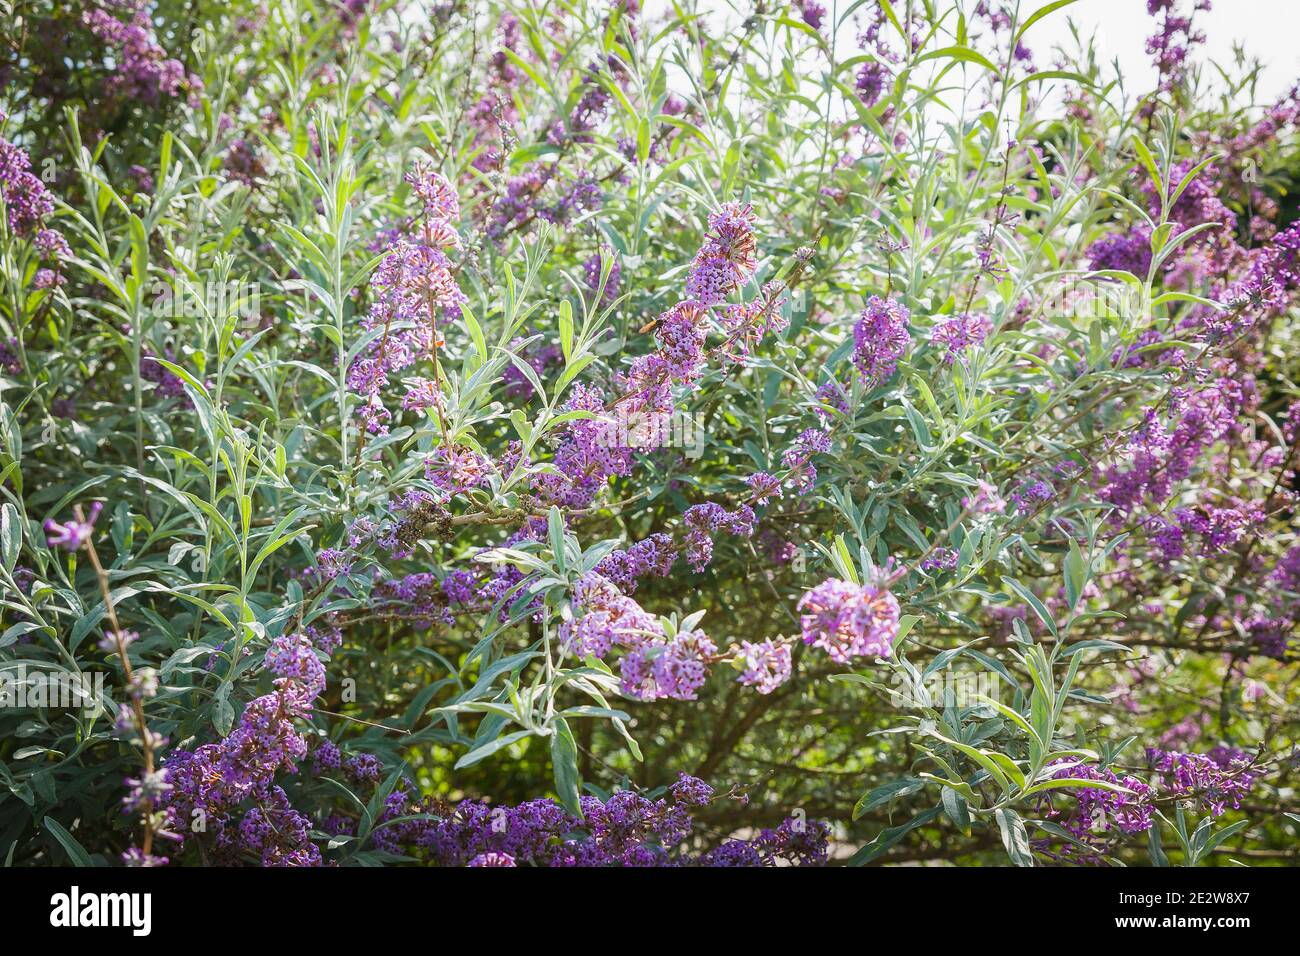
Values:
[(494, 433)]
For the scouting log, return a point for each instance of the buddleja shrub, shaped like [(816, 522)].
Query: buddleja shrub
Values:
[(563, 433)]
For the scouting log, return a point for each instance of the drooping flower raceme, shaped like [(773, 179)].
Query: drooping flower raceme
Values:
[(728, 257), (849, 620), (411, 286), (880, 339), (653, 664), (766, 664)]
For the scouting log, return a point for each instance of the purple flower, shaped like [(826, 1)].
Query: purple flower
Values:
[(653, 665), (493, 859), (849, 620), (984, 500), (1124, 252), (435, 192), (331, 563), (705, 520), (943, 559), (654, 555), (1219, 779), (728, 257), (691, 791), (880, 338), (135, 857), (1097, 810), (870, 82), (144, 71), (75, 533), (763, 486), (27, 202), (798, 459), (627, 829), (812, 12), (958, 334), (604, 618), (242, 163), (292, 657), (766, 664)]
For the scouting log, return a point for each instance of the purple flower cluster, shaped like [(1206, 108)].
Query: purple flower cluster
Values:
[(593, 450), (1218, 529), (409, 515), (654, 555), (942, 559), (763, 486), (590, 452), (170, 385), (811, 12), (1123, 252), (425, 599), (1098, 813), (958, 334), (242, 163), (849, 620), (224, 795), (999, 18), (1158, 458), (728, 257), (1171, 45), (704, 521), (880, 338), (1218, 779), (592, 105), (9, 360), (1274, 272), (412, 284), (870, 81), (626, 829), (680, 333), (27, 201), (27, 205), (653, 664), (746, 324), (144, 72), (456, 469), (541, 192), (802, 473), (765, 665), (985, 499), (591, 270)]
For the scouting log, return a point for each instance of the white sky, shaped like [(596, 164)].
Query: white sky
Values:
[(1269, 30)]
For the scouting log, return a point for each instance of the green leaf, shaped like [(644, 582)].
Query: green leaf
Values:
[(555, 531), (1149, 163), (1036, 605), (139, 253), (491, 747), (76, 852), (1076, 574), (1156, 851), (566, 330), (965, 54), (1014, 837), (891, 835), (11, 536), (1061, 783), (564, 764), (886, 793)]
